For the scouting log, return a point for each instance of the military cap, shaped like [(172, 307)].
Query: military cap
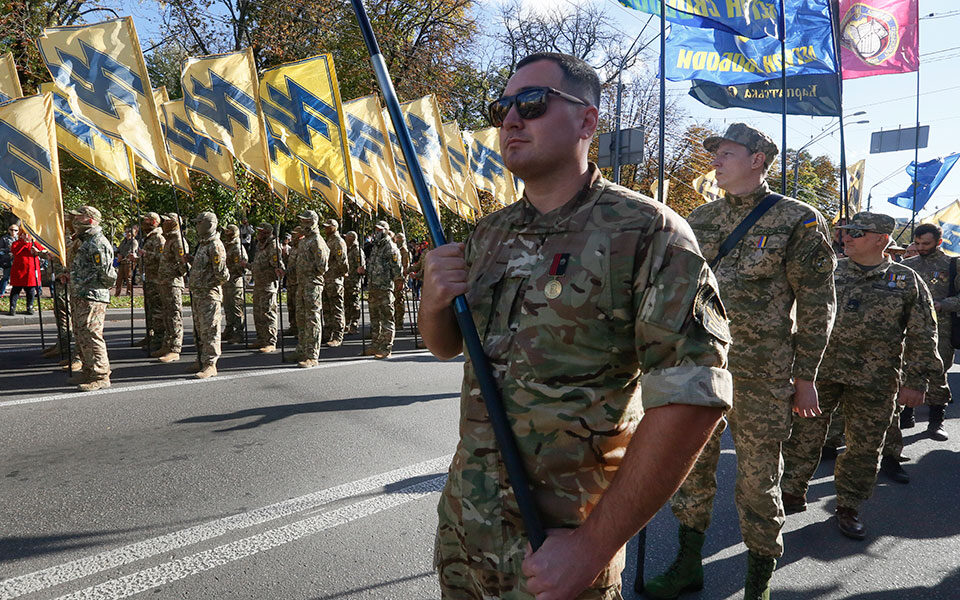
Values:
[(870, 221), (171, 217), (207, 216), (230, 232), (265, 227), (350, 233), (151, 216), (72, 212), (382, 225), (309, 215), (753, 139), (88, 211), (332, 223)]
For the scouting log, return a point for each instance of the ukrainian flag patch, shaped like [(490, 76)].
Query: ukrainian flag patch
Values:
[(811, 222)]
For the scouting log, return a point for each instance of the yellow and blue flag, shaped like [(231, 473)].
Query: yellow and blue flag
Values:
[(486, 163), (408, 193), (422, 117), (30, 170), (100, 70), (748, 18), (286, 170), (949, 221), (371, 154), (706, 185), (179, 174), (194, 150), (460, 174), (9, 80), (323, 186)]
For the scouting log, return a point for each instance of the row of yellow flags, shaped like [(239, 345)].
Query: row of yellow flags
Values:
[(287, 126)]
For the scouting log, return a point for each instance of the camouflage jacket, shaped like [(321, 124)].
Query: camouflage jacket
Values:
[(152, 255), (209, 269), (313, 256), (265, 264), (404, 256), (172, 268), (126, 248), (883, 314), (236, 254), (784, 259), (337, 265), (355, 260), (935, 272), (92, 272), (589, 315), (383, 266), (291, 260)]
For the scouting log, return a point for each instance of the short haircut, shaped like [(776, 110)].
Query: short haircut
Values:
[(577, 74), (925, 228)]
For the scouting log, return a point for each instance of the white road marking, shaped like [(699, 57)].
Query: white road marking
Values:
[(111, 559)]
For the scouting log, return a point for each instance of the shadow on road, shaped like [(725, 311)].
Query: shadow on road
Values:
[(21, 547), (376, 586)]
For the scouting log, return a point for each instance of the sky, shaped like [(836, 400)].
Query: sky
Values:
[(888, 101)]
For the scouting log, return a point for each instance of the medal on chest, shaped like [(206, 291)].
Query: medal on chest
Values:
[(559, 266)]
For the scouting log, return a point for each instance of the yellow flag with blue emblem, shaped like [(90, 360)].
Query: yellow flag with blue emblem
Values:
[(486, 164), (100, 70), (179, 174), (371, 154), (407, 193), (9, 80), (194, 150), (323, 187), (422, 118), (302, 108), (949, 221), (464, 189), (222, 99), (30, 170), (286, 170)]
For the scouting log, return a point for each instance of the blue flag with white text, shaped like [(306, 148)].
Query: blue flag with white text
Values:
[(749, 18), (929, 176)]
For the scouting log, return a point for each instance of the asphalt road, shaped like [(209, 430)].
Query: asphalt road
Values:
[(271, 481)]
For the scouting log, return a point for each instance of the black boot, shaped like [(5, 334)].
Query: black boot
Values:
[(935, 424), (907, 420), (892, 469), (13, 305)]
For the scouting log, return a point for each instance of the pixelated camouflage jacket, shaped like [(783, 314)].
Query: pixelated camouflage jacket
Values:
[(635, 324), (152, 254), (784, 259), (236, 255), (934, 269), (292, 278), (383, 266), (172, 267), (92, 272), (313, 256), (883, 314), (209, 269), (355, 260), (337, 265), (265, 264)]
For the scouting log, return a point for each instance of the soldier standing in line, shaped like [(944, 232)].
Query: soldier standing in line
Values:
[(784, 262), (885, 319), (291, 283), (171, 271), (73, 244), (127, 255), (60, 272), (267, 271), (382, 270), (92, 274), (337, 267), (933, 265), (312, 260), (151, 254), (400, 287), (353, 282), (207, 274), (233, 288)]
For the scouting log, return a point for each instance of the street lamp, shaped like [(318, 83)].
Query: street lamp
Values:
[(829, 130)]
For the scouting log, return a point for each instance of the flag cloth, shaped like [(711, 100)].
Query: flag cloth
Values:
[(408, 194), (370, 152), (854, 189), (949, 221), (929, 176), (30, 171), (726, 59), (460, 174), (486, 164), (749, 18), (655, 192), (104, 155), (100, 70), (179, 174), (815, 95), (193, 149), (9, 80), (878, 37), (368, 192), (707, 186), (323, 186), (222, 100), (422, 117), (285, 169), (302, 108)]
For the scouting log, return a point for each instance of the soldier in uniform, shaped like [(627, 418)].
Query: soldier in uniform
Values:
[(267, 271), (884, 318), (353, 282), (172, 268), (382, 270), (312, 259), (127, 255), (583, 292), (92, 274), (934, 268), (60, 273), (400, 287), (73, 244), (784, 262), (150, 256), (233, 288), (337, 268), (207, 274), (290, 281)]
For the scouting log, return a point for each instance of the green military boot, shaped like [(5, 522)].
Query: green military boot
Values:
[(759, 571), (686, 572)]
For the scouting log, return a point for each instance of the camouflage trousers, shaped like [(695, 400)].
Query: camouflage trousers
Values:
[(759, 422), (837, 424), (89, 318), (292, 295), (309, 310), (399, 304), (153, 305), (939, 392), (265, 314), (352, 291), (60, 314), (171, 308), (233, 302), (206, 324), (868, 413), (381, 319), (333, 317), (458, 581)]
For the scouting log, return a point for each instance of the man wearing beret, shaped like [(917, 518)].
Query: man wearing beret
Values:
[(784, 260)]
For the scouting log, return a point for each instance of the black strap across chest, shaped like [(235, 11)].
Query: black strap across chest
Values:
[(741, 230)]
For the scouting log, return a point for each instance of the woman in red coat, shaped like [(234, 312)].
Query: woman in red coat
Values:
[(25, 272)]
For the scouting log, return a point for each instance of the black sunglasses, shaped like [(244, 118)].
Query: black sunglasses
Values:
[(858, 233), (531, 103)]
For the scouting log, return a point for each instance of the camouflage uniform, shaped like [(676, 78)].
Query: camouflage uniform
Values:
[(92, 274), (170, 281), (400, 287), (786, 257), (125, 276), (152, 289), (637, 307), (73, 244), (353, 285), (265, 284), (337, 268), (291, 283), (885, 313), (233, 289), (207, 274), (312, 260), (383, 268)]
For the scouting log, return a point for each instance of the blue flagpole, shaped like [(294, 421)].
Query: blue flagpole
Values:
[(506, 442)]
